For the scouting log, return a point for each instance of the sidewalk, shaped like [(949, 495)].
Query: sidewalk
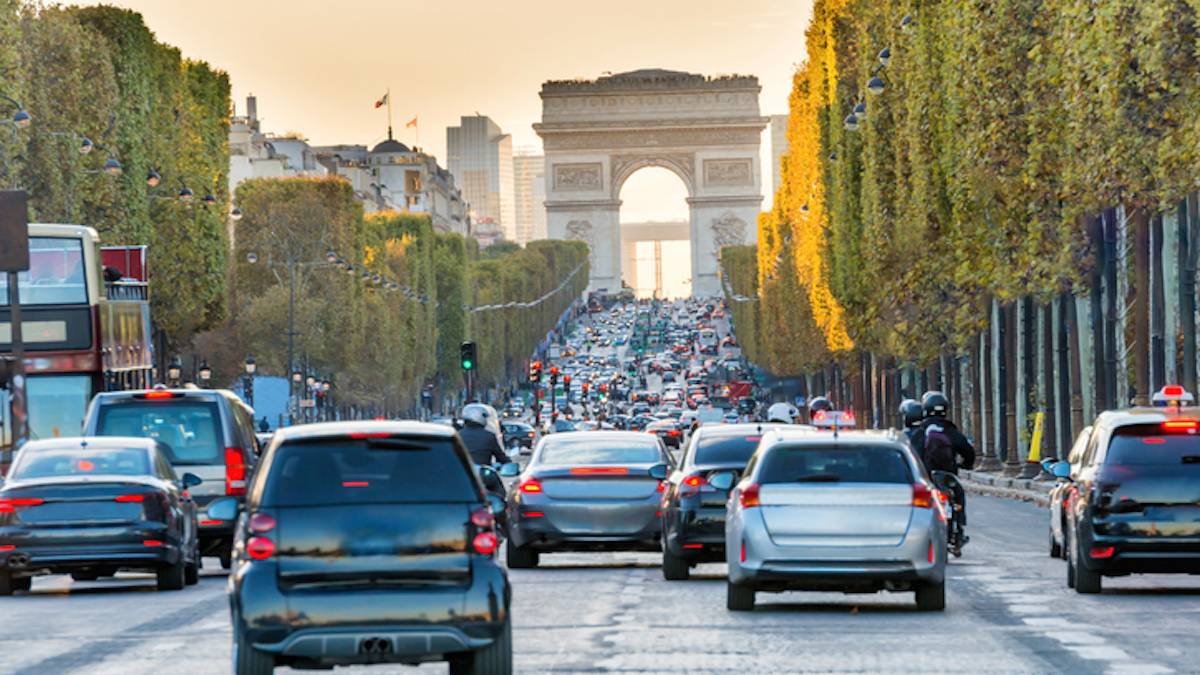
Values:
[(997, 485)]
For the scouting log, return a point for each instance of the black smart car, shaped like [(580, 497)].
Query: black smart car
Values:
[(367, 542)]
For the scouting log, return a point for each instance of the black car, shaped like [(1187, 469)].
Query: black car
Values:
[(668, 431), (518, 433), (90, 507), (210, 433), (367, 542), (693, 513)]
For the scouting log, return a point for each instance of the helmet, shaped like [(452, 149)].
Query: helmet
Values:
[(911, 412), (935, 404), (475, 413), (785, 413), (819, 403)]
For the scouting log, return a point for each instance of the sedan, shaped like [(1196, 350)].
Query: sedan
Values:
[(668, 431), (587, 491), (1058, 494), (89, 507), (518, 434), (817, 512)]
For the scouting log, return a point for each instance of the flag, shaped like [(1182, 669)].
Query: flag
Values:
[(381, 102), (411, 123)]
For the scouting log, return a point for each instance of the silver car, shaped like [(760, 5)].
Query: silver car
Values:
[(588, 491), (851, 512)]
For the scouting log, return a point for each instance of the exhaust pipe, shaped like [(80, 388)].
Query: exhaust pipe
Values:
[(18, 560)]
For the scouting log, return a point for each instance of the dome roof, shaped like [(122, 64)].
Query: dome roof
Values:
[(390, 145)]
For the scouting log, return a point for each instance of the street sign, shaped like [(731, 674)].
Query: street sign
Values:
[(14, 231), (308, 403)]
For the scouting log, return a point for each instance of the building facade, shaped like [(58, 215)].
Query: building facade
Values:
[(479, 155), (529, 190)]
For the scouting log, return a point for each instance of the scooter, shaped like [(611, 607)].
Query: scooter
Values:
[(956, 516)]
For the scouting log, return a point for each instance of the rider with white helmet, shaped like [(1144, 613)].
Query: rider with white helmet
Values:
[(783, 413), (480, 433)]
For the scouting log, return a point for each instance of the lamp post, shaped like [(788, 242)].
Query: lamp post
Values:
[(204, 375), (174, 371), (248, 380)]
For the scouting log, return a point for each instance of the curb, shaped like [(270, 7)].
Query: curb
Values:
[(995, 485)]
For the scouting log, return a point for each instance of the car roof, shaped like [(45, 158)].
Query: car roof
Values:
[(747, 428), (91, 442), (180, 392), (605, 435), (327, 429), (792, 435), (1113, 419)]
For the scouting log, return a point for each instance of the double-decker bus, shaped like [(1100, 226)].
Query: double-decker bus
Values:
[(85, 323)]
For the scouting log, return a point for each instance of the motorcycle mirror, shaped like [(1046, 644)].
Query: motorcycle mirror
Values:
[(510, 470), (1061, 470)]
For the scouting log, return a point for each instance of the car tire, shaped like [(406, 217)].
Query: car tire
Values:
[(86, 575), (931, 596), (520, 557), (739, 598), (1070, 558), (172, 578), (191, 571), (1055, 547), (674, 568), (1086, 581), (9, 583), (226, 556), (247, 660), (494, 659)]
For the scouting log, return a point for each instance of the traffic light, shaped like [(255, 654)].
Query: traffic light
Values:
[(535, 372), (553, 376), (567, 381), (466, 354), (586, 386)]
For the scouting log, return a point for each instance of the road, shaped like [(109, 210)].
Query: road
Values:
[(1009, 611)]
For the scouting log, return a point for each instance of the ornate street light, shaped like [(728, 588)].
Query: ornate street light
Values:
[(885, 56), (204, 374), (310, 381), (185, 194), (251, 257), (876, 85), (153, 178), (331, 256), (209, 199), (236, 213), (86, 146), (112, 167), (851, 122), (21, 119), (860, 111), (297, 377), (174, 370), (907, 23)]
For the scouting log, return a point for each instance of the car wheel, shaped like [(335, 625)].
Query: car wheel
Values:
[(931, 596), (674, 568), (226, 556), (7, 583), (739, 598), (1086, 581), (246, 659), (191, 571), (495, 659), (1055, 548), (172, 578), (1070, 558), (520, 557)]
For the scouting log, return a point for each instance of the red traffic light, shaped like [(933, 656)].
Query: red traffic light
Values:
[(567, 380), (554, 370)]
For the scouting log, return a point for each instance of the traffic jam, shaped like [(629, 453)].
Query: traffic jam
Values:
[(640, 429)]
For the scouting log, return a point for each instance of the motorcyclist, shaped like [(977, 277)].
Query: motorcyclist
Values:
[(783, 413), (956, 451), (481, 441), (911, 414), (818, 404)]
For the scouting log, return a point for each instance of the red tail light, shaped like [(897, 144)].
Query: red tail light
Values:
[(261, 523), (930, 552), (691, 485), (235, 472), (600, 470), (818, 416), (11, 504), (129, 499), (362, 436), (749, 497), (1181, 425), (8, 547), (531, 485), (484, 543), (157, 395), (260, 548), (1102, 552), (483, 519), (673, 432), (922, 496), (151, 542), (742, 554), (532, 514)]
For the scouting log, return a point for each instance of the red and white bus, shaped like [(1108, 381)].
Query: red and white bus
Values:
[(85, 329)]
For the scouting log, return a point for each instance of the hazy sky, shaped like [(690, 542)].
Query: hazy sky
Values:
[(317, 66)]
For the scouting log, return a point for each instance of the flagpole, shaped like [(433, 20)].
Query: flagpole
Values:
[(388, 97)]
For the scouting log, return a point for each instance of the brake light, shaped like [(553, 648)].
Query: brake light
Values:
[(930, 557), (690, 486), (8, 547), (922, 496), (1102, 552), (361, 435), (693, 546), (749, 497), (818, 416), (1154, 440), (129, 499), (235, 472), (531, 485), (1181, 425), (600, 470), (484, 543), (673, 432), (260, 548), (662, 486), (356, 483), (742, 554), (207, 523), (1172, 391), (532, 514), (483, 519), (261, 523), (151, 542), (158, 395), (11, 504)]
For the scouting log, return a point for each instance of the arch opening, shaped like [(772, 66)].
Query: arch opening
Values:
[(655, 222)]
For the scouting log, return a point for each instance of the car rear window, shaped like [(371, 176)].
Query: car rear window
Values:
[(726, 449), (81, 462), (1147, 444), (834, 464), (600, 451), (329, 472), (191, 429)]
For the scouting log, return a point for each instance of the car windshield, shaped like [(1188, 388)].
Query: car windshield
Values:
[(1148, 444), (33, 463), (330, 472), (834, 464), (190, 428), (611, 450), (725, 449)]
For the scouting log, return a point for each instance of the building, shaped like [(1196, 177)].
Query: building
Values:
[(529, 192), (779, 147), (480, 156)]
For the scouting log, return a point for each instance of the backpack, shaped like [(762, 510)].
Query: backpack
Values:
[(939, 450)]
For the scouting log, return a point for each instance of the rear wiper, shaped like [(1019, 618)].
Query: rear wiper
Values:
[(1191, 459), (819, 478)]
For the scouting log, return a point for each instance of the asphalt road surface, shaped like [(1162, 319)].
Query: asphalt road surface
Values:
[(1009, 611)]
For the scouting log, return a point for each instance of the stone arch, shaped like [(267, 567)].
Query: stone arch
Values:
[(624, 166)]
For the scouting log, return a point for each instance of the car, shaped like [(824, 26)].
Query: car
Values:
[(693, 511), (852, 512), (518, 433), (91, 506), (667, 430), (1059, 491), (209, 432), (384, 531), (1131, 504), (587, 491)]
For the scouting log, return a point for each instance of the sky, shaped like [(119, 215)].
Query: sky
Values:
[(318, 66)]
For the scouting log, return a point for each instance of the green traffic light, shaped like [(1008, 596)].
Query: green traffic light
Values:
[(467, 365)]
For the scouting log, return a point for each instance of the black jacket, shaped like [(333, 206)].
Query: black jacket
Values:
[(482, 444), (963, 451)]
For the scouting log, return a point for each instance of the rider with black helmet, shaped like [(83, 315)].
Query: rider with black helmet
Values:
[(911, 414), (818, 404), (950, 448)]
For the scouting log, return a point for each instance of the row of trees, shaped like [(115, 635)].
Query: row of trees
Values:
[(385, 338), (97, 73), (977, 196)]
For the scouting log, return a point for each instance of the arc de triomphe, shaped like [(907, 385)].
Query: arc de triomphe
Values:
[(597, 133)]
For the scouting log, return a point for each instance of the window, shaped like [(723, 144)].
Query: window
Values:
[(1149, 444), (57, 404), (56, 274), (32, 464), (585, 450), (834, 464), (725, 449), (190, 429)]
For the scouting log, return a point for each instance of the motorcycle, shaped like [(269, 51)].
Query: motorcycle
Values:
[(956, 516)]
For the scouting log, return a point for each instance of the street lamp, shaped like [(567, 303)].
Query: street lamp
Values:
[(860, 110), (21, 119), (297, 377), (851, 122), (251, 257), (876, 85), (174, 371), (885, 56), (248, 380), (185, 194), (236, 213), (907, 23), (86, 146), (331, 257), (153, 178), (112, 167), (251, 366), (204, 374), (310, 381)]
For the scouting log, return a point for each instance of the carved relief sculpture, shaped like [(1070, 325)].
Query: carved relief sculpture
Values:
[(728, 230), (733, 172), (579, 177), (582, 230)]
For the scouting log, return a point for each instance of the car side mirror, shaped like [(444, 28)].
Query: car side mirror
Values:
[(722, 480), (659, 471), (225, 508), (190, 480), (510, 470), (1061, 470)]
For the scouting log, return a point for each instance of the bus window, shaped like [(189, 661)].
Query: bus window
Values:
[(56, 274), (57, 404)]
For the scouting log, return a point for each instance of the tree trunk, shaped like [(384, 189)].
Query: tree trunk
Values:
[(1141, 306)]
